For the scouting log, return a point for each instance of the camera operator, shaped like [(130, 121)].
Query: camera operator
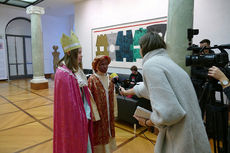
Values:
[(216, 73), (205, 43), (199, 75)]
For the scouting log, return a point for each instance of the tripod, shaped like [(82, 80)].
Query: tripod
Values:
[(216, 115)]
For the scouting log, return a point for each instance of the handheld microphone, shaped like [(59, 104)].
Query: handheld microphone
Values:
[(115, 80)]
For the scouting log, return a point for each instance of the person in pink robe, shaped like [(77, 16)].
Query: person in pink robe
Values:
[(72, 108)]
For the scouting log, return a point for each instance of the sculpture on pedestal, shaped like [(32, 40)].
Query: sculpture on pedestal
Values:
[(55, 54)]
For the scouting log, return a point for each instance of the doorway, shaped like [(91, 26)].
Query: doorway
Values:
[(19, 50)]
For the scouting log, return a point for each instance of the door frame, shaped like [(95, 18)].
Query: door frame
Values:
[(26, 75)]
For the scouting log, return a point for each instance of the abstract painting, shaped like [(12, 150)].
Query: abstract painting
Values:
[(121, 42)]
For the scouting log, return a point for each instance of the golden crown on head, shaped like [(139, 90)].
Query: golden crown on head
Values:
[(70, 43)]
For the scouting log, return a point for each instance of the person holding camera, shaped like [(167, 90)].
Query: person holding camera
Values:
[(175, 109), (199, 77), (216, 73), (205, 43)]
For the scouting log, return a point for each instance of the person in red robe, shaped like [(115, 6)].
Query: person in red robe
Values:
[(102, 89), (72, 106)]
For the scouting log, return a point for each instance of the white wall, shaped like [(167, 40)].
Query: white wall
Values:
[(212, 18), (52, 27), (100, 13), (7, 13)]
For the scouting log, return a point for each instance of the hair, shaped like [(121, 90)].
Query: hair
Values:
[(98, 59), (133, 68), (71, 60), (151, 41), (205, 41)]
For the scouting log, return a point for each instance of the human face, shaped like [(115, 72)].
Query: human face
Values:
[(103, 66), (79, 56), (205, 51), (134, 72)]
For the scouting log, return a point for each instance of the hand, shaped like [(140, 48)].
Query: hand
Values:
[(216, 73), (122, 91), (140, 120)]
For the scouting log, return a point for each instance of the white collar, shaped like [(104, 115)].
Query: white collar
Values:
[(160, 51)]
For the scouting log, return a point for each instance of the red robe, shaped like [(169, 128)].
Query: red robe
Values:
[(101, 127), (71, 126)]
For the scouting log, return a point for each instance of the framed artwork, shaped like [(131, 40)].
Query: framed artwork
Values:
[(121, 42)]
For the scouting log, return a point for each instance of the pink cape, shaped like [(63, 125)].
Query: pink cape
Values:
[(71, 128)]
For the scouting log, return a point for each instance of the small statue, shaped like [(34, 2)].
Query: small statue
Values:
[(55, 57)]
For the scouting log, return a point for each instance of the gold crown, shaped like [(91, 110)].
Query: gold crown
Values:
[(70, 43)]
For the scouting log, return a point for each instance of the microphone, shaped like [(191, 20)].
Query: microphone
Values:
[(115, 80)]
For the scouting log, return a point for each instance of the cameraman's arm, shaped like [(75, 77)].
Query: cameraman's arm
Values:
[(216, 73)]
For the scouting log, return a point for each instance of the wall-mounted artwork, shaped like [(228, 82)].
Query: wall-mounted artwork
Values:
[(121, 42)]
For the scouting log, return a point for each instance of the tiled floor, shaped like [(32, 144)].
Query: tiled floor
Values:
[(26, 122)]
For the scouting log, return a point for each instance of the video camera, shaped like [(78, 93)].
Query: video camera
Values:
[(206, 60)]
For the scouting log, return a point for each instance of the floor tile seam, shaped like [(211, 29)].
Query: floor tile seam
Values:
[(25, 124), (1, 130), (36, 106), (19, 101), (26, 108), (154, 141), (40, 119), (33, 92), (28, 113), (46, 118), (124, 129), (4, 103), (30, 147), (130, 139), (10, 94), (127, 130), (10, 112), (125, 142)]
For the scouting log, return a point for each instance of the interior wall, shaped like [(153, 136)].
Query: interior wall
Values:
[(7, 13), (212, 18), (100, 13), (52, 28)]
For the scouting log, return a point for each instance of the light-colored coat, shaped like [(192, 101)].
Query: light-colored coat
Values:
[(176, 111)]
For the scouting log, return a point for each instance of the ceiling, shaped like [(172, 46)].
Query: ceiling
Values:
[(58, 7), (20, 3)]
